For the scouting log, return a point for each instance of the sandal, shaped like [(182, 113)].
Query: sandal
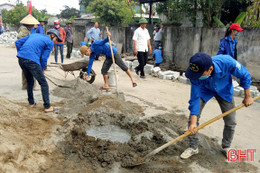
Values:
[(33, 105), (52, 110), (102, 88), (134, 84)]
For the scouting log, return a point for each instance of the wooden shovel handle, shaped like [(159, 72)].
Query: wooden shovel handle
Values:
[(198, 128), (113, 59)]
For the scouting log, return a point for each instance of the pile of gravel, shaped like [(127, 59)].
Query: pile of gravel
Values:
[(8, 38)]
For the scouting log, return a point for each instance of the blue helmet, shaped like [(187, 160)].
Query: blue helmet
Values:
[(56, 33)]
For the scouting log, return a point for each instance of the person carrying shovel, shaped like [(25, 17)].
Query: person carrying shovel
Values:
[(102, 47), (212, 77), (33, 52)]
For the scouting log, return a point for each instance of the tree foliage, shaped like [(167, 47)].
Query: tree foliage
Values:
[(14, 16), (69, 12), (111, 12), (85, 3), (253, 15), (176, 9), (172, 9)]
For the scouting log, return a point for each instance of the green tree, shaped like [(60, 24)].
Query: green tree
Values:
[(111, 12), (85, 3), (15, 15), (253, 15), (69, 12), (172, 9), (176, 9)]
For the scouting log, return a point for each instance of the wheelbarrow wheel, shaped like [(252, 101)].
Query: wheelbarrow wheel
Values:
[(83, 73)]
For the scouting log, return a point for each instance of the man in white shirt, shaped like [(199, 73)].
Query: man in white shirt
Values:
[(157, 36), (141, 43)]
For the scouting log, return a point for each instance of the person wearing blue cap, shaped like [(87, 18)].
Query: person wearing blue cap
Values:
[(33, 52), (212, 77)]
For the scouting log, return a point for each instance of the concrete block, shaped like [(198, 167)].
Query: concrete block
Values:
[(237, 92), (254, 88), (160, 73), (128, 64), (162, 76), (135, 63), (235, 83), (253, 93), (175, 74), (156, 70), (258, 101), (183, 79), (148, 68), (169, 77)]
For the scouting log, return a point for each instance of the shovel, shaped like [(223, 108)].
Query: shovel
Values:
[(62, 86), (113, 59), (145, 159)]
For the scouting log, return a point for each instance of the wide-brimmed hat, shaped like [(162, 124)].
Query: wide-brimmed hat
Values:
[(29, 20), (199, 63), (83, 49), (55, 32), (236, 27), (42, 20), (142, 20)]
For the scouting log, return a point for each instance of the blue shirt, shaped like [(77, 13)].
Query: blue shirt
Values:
[(227, 46), (40, 29), (157, 55), (35, 47), (33, 30), (100, 47), (93, 33), (219, 83)]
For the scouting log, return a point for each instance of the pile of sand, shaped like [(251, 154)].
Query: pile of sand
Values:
[(22, 135)]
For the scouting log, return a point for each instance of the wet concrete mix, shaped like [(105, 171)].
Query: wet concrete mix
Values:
[(85, 107)]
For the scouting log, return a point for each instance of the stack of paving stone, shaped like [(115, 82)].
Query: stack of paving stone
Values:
[(8, 38)]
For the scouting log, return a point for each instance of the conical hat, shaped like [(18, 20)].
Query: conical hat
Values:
[(29, 20)]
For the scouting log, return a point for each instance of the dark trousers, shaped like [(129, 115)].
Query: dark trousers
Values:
[(142, 59), (69, 49), (33, 70), (56, 52), (229, 120), (157, 64)]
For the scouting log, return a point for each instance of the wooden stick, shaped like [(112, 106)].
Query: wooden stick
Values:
[(198, 128), (113, 59)]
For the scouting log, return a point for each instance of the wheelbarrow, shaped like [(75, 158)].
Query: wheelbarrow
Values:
[(82, 66)]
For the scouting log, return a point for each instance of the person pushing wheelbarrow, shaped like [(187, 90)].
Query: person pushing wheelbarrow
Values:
[(102, 47)]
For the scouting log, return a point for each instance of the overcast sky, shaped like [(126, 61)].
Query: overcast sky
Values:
[(52, 6)]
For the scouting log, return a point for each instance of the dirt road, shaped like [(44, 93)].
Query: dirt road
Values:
[(156, 100)]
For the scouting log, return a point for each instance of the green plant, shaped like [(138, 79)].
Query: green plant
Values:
[(252, 18), (111, 12), (239, 20)]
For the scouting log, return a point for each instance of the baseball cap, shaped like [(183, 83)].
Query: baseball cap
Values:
[(236, 26), (199, 63)]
